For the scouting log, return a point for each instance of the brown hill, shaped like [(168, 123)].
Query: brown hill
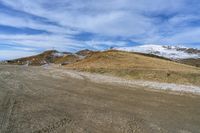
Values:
[(51, 56), (138, 66), (125, 64)]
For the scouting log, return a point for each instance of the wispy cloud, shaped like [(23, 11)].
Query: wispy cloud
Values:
[(63, 24)]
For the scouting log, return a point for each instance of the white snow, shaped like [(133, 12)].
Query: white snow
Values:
[(58, 54), (160, 50)]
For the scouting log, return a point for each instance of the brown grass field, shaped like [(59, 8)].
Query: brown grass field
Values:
[(137, 66), (192, 62)]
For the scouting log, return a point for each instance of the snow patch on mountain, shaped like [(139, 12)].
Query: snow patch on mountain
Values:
[(58, 54), (172, 52)]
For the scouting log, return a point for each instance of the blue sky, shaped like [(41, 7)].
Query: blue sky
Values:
[(28, 27)]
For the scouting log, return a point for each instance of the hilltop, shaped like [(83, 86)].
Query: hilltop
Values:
[(180, 54), (50, 56)]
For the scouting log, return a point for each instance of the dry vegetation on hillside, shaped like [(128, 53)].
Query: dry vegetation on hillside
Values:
[(192, 62), (125, 64), (46, 57), (137, 66)]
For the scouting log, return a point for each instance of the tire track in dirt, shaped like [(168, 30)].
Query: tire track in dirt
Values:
[(66, 121), (133, 126), (7, 108)]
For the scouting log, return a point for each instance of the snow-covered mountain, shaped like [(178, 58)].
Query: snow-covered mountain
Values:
[(172, 52)]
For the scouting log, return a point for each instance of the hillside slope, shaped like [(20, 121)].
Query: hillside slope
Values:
[(137, 66), (191, 61), (51, 56)]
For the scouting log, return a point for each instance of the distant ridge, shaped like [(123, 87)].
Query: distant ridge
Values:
[(171, 52), (51, 56), (134, 65), (54, 56)]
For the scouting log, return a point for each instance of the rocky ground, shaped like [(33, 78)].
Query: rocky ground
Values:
[(49, 99)]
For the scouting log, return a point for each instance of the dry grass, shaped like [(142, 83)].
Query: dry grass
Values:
[(45, 57), (136, 66), (68, 58), (192, 62), (36, 60)]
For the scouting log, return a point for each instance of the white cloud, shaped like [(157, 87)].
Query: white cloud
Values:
[(55, 41), (13, 54), (22, 22), (113, 17), (137, 20), (40, 41)]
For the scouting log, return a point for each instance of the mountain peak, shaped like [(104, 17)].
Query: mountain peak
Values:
[(172, 52)]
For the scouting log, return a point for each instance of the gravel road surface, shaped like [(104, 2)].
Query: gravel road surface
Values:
[(52, 100)]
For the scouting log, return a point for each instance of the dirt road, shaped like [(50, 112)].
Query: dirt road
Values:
[(39, 100)]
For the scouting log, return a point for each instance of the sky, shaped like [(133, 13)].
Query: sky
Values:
[(28, 27)]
